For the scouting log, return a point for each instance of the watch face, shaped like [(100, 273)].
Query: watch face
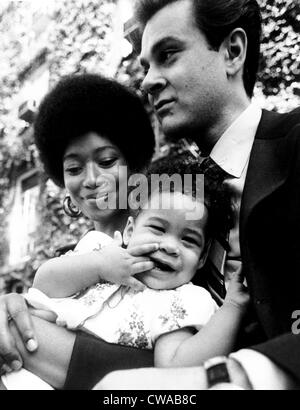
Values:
[(217, 372), (221, 371)]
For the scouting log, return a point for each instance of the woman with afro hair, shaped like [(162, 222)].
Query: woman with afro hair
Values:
[(92, 133)]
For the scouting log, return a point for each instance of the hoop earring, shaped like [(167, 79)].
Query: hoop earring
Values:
[(69, 208)]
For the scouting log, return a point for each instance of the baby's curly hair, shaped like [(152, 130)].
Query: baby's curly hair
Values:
[(216, 195), (83, 103)]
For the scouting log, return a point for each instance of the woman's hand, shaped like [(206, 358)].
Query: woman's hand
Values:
[(13, 307)]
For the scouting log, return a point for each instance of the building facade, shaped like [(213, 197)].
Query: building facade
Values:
[(43, 42)]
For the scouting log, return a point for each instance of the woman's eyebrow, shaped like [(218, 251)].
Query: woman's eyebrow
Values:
[(75, 155), (70, 156)]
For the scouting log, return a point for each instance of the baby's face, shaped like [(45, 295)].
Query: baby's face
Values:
[(181, 241)]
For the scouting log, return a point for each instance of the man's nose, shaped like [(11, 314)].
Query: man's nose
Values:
[(153, 82)]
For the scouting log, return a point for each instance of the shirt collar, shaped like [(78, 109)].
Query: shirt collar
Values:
[(232, 150)]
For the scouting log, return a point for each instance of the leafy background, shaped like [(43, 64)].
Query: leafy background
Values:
[(79, 38)]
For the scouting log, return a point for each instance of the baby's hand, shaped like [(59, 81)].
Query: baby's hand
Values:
[(119, 265), (237, 293)]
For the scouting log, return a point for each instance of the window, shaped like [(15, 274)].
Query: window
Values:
[(24, 218)]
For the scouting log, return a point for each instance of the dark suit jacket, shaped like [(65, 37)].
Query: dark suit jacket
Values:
[(269, 235), (270, 250)]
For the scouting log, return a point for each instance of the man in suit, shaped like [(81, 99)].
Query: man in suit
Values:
[(200, 59)]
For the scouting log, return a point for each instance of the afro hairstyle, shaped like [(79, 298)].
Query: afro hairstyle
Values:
[(83, 103)]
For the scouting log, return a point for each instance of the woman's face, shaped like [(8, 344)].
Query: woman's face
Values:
[(94, 168)]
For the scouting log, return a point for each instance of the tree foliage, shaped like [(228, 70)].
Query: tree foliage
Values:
[(78, 38), (279, 75)]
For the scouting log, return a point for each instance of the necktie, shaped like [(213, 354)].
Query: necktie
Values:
[(212, 170), (218, 250)]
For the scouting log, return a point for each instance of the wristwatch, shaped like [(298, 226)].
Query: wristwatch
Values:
[(220, 376), (216, 370)]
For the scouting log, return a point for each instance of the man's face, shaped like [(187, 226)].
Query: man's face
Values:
[(185, 78)]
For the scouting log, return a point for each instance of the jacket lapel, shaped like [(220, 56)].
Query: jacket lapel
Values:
[(268, 167), (267, 171)]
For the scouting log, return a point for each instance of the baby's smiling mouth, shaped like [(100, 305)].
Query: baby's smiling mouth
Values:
[(163, 266)]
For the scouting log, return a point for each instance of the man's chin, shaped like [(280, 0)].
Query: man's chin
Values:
[(174, 132)]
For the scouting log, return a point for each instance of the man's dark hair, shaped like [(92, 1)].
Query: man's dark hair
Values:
[(216, 19), (85, 103)]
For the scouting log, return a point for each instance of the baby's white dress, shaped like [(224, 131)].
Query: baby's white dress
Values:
[(118, 314)]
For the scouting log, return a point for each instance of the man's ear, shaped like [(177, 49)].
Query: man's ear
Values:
[(204, 254), (128, 230), (235, 50)]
